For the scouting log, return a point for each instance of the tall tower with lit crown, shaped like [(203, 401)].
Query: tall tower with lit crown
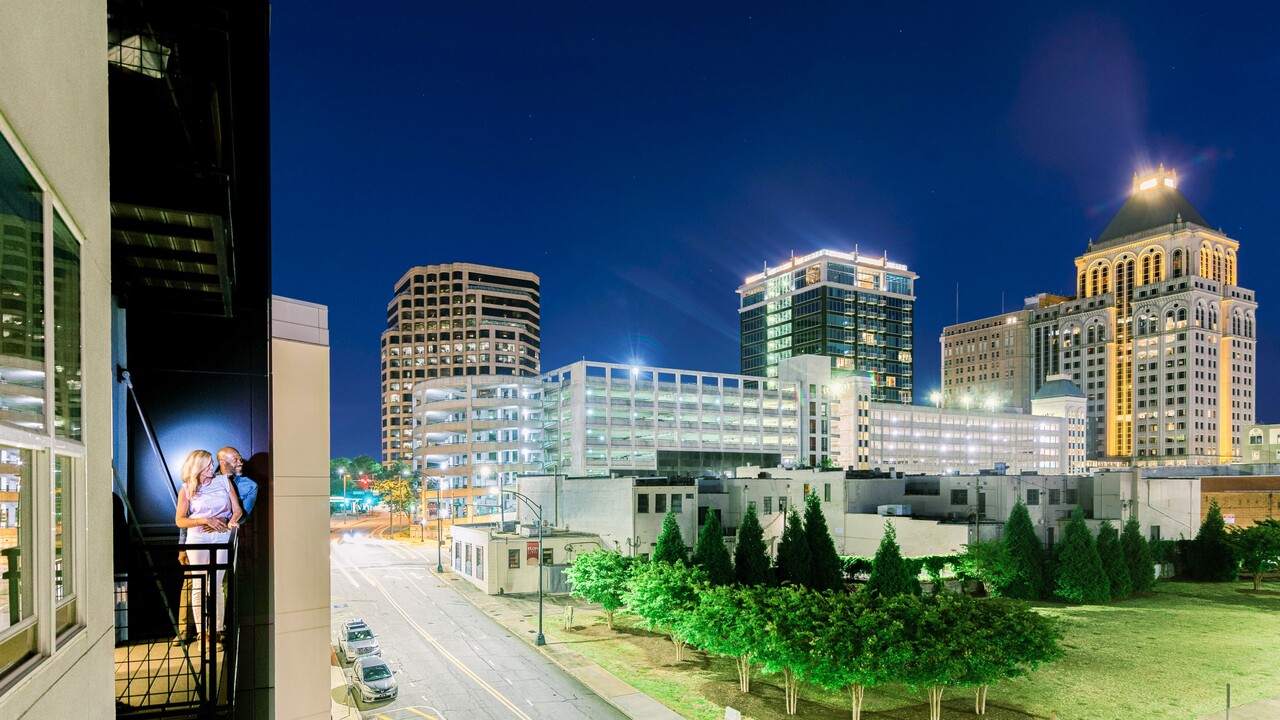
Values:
[(1160, 336)]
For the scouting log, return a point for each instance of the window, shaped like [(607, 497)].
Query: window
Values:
[(547, 555), (513, 559), (1155, 532), (660, 503), (677, 503), (768, 504), (826, 492), (782, 505), (479, 563), (642, 503), (1055, 497), (40, 327), (1071, 496), (960, 497), (1033, 497)]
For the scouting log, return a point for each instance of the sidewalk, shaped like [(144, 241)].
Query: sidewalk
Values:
[(1268, 709), (513, 613)]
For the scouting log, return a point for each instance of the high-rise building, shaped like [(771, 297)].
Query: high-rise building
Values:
[(452, 322), (987, 362), (856, 309), (1160, 336)]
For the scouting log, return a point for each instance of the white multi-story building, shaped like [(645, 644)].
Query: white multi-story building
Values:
[(921, 439), (604, 418)]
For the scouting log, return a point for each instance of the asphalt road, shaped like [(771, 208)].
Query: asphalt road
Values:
[(453, 661)]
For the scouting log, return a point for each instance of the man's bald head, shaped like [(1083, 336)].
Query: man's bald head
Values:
[(229, 461)]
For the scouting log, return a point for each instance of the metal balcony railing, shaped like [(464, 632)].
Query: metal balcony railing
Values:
[(170, 659)]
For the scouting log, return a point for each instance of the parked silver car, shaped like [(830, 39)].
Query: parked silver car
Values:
[(357, 640), (374, 679)]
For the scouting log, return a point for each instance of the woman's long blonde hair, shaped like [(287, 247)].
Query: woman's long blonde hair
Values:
[(196, 462)]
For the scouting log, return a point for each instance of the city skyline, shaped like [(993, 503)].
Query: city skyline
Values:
[(644, 166)]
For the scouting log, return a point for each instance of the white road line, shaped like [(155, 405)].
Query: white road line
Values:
[(333, 557), (450, 657)]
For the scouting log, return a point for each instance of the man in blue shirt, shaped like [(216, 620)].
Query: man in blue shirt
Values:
[(230, 464)]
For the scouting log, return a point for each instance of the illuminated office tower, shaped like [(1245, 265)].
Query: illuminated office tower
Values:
[(856, 309), (450, 323)]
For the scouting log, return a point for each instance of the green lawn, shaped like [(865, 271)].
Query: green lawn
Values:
[(1167, 656)]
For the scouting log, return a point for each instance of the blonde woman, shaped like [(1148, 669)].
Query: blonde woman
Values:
[(208, 509)]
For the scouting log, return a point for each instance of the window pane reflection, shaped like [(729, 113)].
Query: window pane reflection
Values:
[(66, 331), (15, 535), (21, 296)]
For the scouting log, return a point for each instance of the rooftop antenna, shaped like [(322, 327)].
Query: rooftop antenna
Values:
[(1001, 302)]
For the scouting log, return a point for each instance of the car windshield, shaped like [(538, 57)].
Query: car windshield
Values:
[(359, 635), (376, 672)]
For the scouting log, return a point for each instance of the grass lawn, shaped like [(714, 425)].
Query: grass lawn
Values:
[(1167, 656)]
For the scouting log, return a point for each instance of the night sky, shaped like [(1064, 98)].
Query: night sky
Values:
[(643, 159)]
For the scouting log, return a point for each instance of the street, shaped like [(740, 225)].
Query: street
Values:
[(453, 662)]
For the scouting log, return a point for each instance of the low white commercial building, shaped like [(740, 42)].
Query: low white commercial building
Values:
[(504, 559)]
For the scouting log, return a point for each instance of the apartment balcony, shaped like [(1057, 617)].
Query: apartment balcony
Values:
[(169, 659)]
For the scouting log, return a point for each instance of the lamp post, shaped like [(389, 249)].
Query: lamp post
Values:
[(439, 531), (537, 511)]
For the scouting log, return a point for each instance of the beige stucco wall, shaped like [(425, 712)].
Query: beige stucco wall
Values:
[(915, 537), (53, 101), (300, 498)]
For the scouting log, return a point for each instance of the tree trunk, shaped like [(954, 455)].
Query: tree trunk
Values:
[(935, 702), (680, 645), (855, 693), (608, 618), (793, 690), (744, 672), (980, 700), (1257, 581)]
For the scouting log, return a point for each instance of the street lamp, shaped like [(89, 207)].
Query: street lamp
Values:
[(342, 472), (537, 511), (439, 532)]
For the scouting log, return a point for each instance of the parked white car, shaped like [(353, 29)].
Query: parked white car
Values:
[(374, 679), (356, 640)]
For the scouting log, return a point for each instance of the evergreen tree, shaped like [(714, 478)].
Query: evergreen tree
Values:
[(793, 563), (1212, 558), (826, 569), (710, 554), (889, 572), (1026, 556), (1137, 555), (1112, 556), (750, 559), (1079, 576), (670, 547)]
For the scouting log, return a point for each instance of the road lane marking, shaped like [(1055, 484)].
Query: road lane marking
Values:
[(342, 566), (450, 656), (419, 712)]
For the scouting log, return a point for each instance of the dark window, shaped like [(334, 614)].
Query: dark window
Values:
[(660, 503), (642, 503), (513, 559), (960, 497), (826, 492), (1071, 497), (782, 505), (1055, 497), (1033, 497), (677, 503), (547, 556), (1155, 532), (768, 505)]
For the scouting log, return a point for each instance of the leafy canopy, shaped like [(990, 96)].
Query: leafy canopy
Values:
[(825, 566), (890, 574), (750, 559), (710, 554), (1079, 576), (670, 546)]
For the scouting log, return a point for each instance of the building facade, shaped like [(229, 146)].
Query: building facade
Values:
[(988, 362), (454, 320), (602, 418), (473, 434), (1160, 336), (856, 309)]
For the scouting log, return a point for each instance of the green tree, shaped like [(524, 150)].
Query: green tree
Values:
[(890, 574), (987, 562), (727, 621), (1078, 575), (750, 559), (1112, 555), (670, 547), (841, 655), (339, 467), (601, 577), (663, 593), (710, 554), (915, 635), (396, 492), (793, 552), (1258, 548), (1137, 555), (1026, 556), (1212, 558), (791, 617), (825, 566), (1001, 640)]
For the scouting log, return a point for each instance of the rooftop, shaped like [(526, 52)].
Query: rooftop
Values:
[(1155, 202)]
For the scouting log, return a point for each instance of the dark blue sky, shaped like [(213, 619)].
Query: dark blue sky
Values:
[(644, 158)]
